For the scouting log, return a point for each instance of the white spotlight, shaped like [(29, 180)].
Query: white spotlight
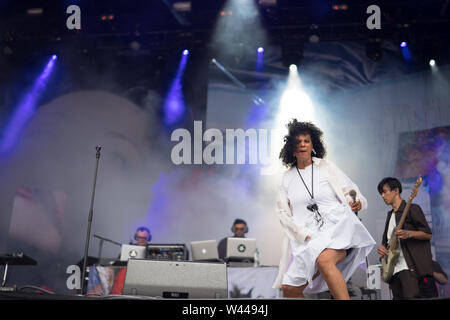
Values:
[(432, 63), (292, 68)]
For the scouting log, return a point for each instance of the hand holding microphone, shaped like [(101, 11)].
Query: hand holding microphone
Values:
[(355, 204)]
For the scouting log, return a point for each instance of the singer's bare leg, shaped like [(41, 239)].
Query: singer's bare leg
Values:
[(326, 263), (295, 292)]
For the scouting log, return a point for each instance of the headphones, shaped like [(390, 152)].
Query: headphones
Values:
[(238, 221), (149, 238)]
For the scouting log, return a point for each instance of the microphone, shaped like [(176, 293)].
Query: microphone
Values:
[(98, 148), (352, 194)]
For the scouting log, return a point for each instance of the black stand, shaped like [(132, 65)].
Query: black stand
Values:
[(91, 212), (14, 259), (366, 291), (101, 246)]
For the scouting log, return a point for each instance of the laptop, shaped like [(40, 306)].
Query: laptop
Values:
[(204, 250), (241, 249), (129, 251)]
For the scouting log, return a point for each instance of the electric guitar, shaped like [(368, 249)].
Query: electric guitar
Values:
[(389, 261)]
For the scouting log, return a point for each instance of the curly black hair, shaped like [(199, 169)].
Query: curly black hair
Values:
[(294, 129)]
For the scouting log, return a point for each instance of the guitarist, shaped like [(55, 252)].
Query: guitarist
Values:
[(415, 260)]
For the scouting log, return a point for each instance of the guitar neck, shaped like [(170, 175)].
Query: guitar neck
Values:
[(405, 212), (400, 225)]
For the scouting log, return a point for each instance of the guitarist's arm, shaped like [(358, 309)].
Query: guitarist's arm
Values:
[(411, 234), (422, 229)]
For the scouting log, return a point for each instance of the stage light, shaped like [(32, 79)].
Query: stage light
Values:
[(182, 6), (35, 11), (314, 38), (107, 17), (403, 44), (26, 108), (292, 68), (314, 34), (337, 7), (260, 59), (294, 103), (432, 63), (135, 45), (174, 105), (267, 3)]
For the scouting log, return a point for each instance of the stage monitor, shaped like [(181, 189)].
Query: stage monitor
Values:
[(173, 279)]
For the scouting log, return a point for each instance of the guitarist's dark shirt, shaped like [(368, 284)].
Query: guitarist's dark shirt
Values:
[(417, 253)]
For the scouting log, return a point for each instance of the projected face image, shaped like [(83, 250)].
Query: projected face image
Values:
[(68, 128), (37, 218), (57, 152)]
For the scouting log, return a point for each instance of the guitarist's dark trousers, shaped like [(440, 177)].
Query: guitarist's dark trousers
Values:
[(405, 285)]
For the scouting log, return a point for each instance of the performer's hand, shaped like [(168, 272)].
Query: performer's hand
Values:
[(382, 251), (402, 234), (355, 205)]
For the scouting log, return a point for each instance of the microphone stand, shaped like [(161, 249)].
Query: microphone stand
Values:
[(367, 260), (353, 196), (102, 239), (91, 212)]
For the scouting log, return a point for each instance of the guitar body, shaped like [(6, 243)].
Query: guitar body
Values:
[(388, 264)]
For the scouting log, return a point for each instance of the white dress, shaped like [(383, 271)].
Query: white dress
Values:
[(341, 229)]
